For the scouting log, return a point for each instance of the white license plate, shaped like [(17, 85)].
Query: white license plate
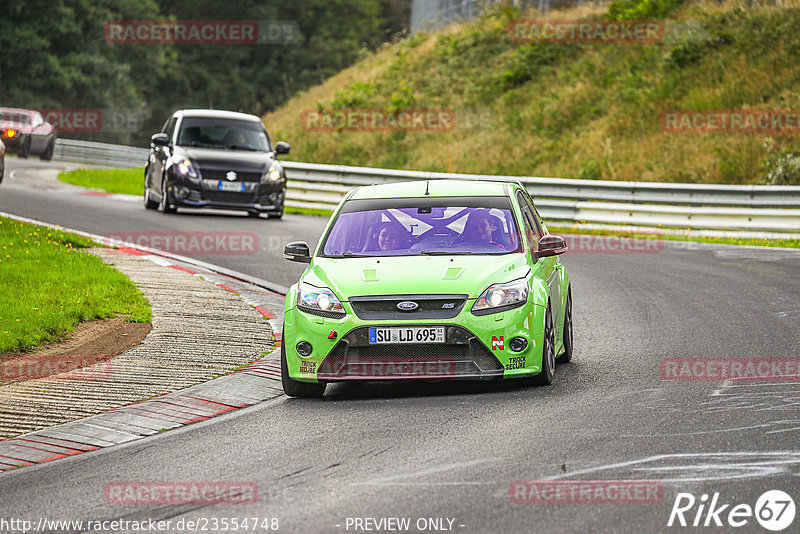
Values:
[(230, 186), (407, 334)]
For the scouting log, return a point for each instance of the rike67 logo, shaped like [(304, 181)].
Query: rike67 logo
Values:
[(774, 511)]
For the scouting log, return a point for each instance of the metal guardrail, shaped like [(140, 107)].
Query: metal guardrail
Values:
[(696, 206), (100, 154)]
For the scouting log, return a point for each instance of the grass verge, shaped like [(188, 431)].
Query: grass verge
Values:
[(308, 211), (123, 181), (129, 182), (758, 242), (48, 285), (583, 110)]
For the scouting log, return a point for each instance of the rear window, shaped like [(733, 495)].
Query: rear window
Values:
[(18, 118)]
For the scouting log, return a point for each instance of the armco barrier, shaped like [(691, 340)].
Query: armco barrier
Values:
[(697, 206)]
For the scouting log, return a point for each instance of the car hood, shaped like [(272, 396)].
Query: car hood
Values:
[(470, 275), (225, 159)]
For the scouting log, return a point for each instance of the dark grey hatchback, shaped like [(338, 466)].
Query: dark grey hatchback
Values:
[(215, 159)]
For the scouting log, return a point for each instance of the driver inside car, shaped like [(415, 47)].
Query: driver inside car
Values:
[(480, 228)]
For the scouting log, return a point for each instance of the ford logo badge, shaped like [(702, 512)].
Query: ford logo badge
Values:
[(407, 305)]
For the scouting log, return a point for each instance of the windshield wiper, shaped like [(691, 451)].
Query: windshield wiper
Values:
[(198, 143), (442, 253), (241, 147), (350, 255)]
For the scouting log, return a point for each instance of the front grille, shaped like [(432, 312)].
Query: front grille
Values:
[(227, 197), (461, 356), (194, 196), (213, 174), (384, 307)]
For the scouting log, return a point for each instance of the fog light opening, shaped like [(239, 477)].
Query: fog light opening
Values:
[(182, 192), (304, 349), (518, 344)]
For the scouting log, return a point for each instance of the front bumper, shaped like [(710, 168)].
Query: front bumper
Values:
[(254, 196), (13, 144), (475, 348), (461, 356)]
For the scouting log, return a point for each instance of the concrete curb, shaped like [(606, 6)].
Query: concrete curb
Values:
[(250, 385)]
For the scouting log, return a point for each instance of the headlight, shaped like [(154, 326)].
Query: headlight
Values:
[(274, 173), (500, 297), (184, 168), (318, 301)]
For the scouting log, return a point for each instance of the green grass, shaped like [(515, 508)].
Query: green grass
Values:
[(317, 212), (48, 285), (124, 181), (585, 110), (759, 242), (129, 181)]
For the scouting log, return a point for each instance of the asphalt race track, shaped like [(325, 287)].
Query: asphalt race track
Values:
[(451, 450)]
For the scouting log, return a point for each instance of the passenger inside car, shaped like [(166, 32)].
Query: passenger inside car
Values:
[(386, 236), (390, 238)]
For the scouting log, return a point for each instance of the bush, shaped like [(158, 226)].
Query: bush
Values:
[(780, 167), (591, 170), (642, 9)]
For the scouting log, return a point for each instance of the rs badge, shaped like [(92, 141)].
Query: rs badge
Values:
[(497, 343)]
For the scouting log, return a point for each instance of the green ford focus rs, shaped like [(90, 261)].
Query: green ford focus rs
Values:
[(436, 280)]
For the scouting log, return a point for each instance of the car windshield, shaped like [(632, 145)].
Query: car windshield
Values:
[(436, 228), (17, 118), (223, 133)]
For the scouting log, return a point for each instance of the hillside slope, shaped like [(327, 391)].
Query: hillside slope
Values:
[(582, 110)]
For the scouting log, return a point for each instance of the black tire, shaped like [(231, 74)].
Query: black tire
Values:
[(275, 214), (566, 356), (545, 376), (47, 155), (25, 150), (164, 204), (149, 204), (2, 168), (293, 388)]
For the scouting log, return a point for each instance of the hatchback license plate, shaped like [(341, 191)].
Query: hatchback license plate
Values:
[(230, 186), (408, 334)]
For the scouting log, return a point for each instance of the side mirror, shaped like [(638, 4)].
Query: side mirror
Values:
[(551, 245), (297, 251), (160, 139), (282, 147)]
